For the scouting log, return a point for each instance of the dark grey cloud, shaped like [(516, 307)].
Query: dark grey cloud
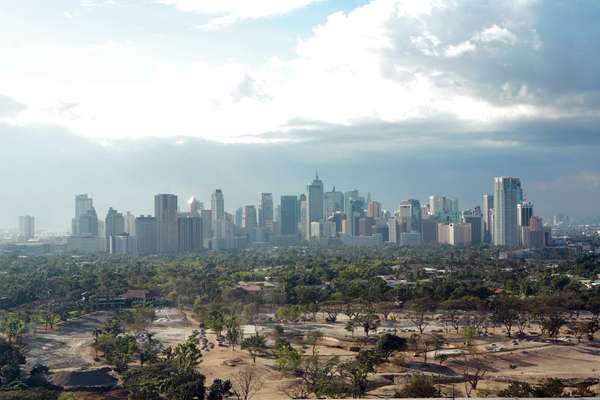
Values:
[(553, 60), (44, 167)]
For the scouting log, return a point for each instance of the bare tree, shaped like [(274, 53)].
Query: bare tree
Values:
[(474, 370), (246, 384)]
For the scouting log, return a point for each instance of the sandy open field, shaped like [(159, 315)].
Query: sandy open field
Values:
[(507, 359)]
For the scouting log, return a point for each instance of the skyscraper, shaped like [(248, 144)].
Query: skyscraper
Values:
[(114, 224), (207, 227), (194, 206), (129, 223), (145, 229), (315, 200), (189, 229), (83, 204), (354, 210), (374, 209), (476, 224), (265, 210), (487, 211), (217, 204), (165, 211), (409, 214), (239, 217), (87, 223), (289, 215), (334, 201), (507, 194), (524, 213), (249, 217), (436, 204), (26, 227)]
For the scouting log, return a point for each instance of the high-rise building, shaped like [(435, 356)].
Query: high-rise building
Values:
[(289, 215), (487, 211), (145, 230), (365, 226), (429, 230), (374, 209), (239, 217), (354, 211), (26, 227), (83, 204), (314, 193), (250, 217), (265, 210), (87, 224), (217, 203), (122, 244), (304, 220), (166, 213), (129, 223), (337, 219), (194, 206), (207, 227), (507, 194), (409, 214), (334, 201), (524, 214), (393, 230), (114, 224), (476, 223), (436, 204), (189, 229)]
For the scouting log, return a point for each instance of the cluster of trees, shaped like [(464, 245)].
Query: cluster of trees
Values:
[(328, 375)]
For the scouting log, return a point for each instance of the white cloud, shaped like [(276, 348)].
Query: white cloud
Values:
[(227, 12), (67, 15), (460, 49), (497, 34), (356, 66)]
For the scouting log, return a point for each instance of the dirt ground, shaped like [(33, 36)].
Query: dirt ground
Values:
[(506, 359), (67, 347)]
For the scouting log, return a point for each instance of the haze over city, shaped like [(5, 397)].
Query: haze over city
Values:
[(403, 99)]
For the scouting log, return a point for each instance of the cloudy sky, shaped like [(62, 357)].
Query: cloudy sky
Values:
[(403, 98)]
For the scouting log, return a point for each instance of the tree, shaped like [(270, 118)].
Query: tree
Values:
[(505, 311), (219, 389), (12, 326), (216, 321), (357, 371), (474, 369), (11, 359), (388, 344), (552, 387), (517, 389), (246, 384), (420, 310), (419, 386), (174, 375), (368, 322), (313, 339), (287, 358), (254, 344), (233, 331)]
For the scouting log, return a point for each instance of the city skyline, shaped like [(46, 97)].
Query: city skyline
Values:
[(107, 205), (401, 98)]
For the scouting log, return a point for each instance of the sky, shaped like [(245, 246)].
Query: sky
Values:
[(123, 99)]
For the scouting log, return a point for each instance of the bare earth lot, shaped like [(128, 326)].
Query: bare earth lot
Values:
[(530, 360)]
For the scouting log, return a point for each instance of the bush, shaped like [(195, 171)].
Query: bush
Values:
[(419, 386), (34, 394)]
